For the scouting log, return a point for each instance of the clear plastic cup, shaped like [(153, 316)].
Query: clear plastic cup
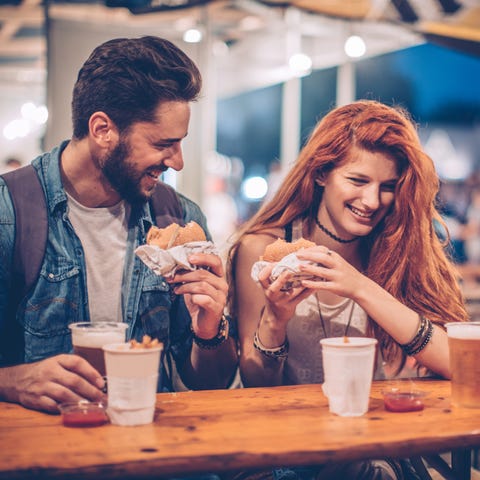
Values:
[(464, 348), (348, 371), (88, 338), (132, 375)]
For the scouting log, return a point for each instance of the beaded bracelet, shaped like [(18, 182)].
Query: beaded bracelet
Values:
[(421, 339), (277, 353), (425, 341), (422, 327), (215, 342)]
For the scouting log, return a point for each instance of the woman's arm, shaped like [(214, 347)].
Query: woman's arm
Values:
[(255, 369), (262, 309), (398, 320)]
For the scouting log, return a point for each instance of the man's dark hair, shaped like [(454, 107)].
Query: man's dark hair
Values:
[(127, 78)]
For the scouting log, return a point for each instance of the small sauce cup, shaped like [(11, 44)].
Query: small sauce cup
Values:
[(401, 400), (84, 414)]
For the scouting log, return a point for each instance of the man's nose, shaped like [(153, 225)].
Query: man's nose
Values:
[(175, 157)]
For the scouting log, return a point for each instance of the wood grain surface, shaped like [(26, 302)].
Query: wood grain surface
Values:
[(214, 431)]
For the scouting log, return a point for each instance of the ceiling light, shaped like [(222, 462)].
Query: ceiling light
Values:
[(300, 63), (254, 188), (192, 35), (355, 46)]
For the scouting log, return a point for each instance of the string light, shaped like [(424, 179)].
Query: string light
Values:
[(355, 46)]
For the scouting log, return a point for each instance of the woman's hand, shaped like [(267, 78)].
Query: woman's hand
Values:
[(281, 299), (333, 273)]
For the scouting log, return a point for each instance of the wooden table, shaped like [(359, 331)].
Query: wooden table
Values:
[(233, 429)]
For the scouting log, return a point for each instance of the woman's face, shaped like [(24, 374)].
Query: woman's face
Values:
[(358, 194)]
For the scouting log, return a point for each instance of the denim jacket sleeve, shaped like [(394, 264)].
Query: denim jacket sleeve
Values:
[(181, 336), (192, 212)]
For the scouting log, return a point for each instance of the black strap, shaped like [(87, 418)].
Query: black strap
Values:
[(31, 226), (165, 205), (288, 232)]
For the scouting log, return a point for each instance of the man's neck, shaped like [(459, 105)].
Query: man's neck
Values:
[(82, 178)]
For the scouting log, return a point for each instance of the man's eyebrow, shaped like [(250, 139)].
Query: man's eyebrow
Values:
[(171, 140)]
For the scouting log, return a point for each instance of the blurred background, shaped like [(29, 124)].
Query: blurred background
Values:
[(272, 68)]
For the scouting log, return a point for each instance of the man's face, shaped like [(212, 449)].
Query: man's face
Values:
[(146, 151)]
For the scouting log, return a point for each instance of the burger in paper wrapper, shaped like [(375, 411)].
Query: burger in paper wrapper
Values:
[(175, 235), (283, 254), (167, 249), (280, 249)]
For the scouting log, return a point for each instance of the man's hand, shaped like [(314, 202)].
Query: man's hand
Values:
[(205, 292), (45, 384)]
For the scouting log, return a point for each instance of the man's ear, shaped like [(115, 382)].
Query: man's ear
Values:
[(102, 130)]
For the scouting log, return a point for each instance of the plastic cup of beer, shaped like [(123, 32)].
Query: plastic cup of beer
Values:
[(132, 376), (88, 338), (348, 372), (464, 347)]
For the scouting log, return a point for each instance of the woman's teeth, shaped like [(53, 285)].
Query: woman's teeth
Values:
[(359, 212)]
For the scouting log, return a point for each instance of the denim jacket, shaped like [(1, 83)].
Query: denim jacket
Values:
[(60, 295)]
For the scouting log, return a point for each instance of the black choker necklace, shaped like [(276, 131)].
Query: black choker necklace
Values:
[(332, 235)]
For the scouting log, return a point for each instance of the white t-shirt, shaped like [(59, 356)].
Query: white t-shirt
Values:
[(103, 232)]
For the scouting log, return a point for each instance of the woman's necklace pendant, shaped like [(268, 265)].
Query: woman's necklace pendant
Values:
[(324, 327)]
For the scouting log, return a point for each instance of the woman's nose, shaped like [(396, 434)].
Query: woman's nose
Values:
[(371, 197)]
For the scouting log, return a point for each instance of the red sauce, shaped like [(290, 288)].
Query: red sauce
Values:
[(402, 402), (84, 418)]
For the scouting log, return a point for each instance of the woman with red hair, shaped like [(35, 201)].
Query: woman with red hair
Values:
[(363, 190)]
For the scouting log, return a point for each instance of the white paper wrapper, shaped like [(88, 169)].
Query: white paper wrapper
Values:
[(288, 263), (167, 262)]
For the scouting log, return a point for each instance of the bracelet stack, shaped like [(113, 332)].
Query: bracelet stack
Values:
[(421, 338), (215, 342), (276, 353)]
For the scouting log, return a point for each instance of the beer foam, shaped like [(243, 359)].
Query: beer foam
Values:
[(91, 338), (464, 330)]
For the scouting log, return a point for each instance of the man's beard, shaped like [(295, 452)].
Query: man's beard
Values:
[(122, 175)]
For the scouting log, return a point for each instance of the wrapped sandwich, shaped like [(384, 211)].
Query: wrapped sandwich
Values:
[(167, 249), (283, 255)]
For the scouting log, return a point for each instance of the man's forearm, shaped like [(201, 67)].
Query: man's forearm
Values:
[(8, 383), (210, 369)]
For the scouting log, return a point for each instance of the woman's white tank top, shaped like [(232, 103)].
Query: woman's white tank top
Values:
[(306, 328)]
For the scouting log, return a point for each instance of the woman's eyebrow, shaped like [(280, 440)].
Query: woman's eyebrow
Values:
[(368, 177)]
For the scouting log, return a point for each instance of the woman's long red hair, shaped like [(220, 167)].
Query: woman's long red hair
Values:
[(403, 254)]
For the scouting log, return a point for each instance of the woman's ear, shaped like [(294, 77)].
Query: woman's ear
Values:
[(102, 130), (320, 180)]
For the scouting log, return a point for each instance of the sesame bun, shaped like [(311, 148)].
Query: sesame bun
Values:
[(175, 235), (280, 248)]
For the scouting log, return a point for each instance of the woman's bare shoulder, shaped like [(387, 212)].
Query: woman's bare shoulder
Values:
[(253, 245)]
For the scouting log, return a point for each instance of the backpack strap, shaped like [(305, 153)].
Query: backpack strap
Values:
[(31, 226)]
